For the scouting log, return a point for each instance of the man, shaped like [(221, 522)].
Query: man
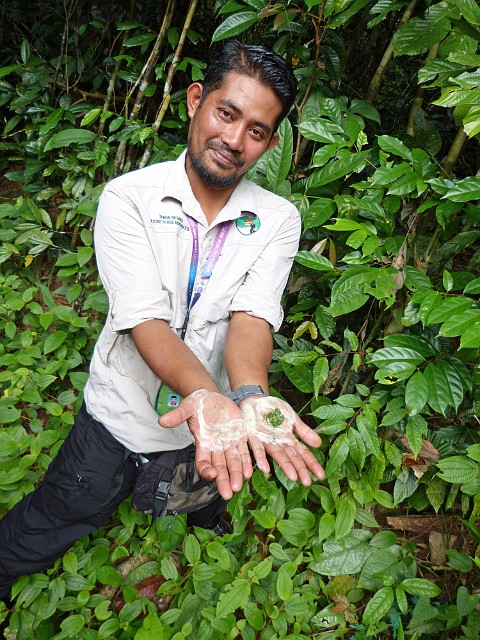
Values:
[(194, 260)]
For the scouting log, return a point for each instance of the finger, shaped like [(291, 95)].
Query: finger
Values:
[(279, 454), (234, 467), (304, 461), (258, 452), (307, 434), (222, 478), (245, 458), (203, 463), (182, 413)]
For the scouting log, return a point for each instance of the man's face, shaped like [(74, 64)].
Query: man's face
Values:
[(231, 129)]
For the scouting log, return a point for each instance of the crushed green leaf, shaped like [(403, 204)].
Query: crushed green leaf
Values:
[(275, 418)]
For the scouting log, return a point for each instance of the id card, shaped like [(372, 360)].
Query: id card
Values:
[(167, 399)]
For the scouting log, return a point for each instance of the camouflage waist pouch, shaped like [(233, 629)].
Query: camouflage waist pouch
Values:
[(167, 483)]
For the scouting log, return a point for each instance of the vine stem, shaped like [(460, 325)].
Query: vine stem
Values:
[(113, 77), (418, 100), (318, 42), (142, 80), (168, 82), (387, 56)]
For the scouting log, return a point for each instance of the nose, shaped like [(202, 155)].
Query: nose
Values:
[(233, 136)]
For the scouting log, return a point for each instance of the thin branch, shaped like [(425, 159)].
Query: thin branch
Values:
[(168, 82), (387, 56), (418, 100), (143, 79)]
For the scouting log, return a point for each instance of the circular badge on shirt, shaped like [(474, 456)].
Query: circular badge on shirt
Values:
[(247, 224)]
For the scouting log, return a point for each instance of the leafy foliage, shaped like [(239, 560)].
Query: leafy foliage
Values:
[(380, 349)]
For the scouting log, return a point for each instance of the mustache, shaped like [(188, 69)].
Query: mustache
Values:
[(232, 152)]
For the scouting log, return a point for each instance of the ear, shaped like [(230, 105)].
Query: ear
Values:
[(273, 141), (194, 95)]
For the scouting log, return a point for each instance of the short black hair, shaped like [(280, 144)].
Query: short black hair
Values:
[(257, 62)]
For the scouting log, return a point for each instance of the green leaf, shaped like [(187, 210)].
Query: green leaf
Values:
[(218, 552), (108, 628), (464, 190), (72, 625), (151, 629), (470, 10), (379, 605), (449, 307), (284, 585), (313, 261), (471, 338), (473, 286), (338, 453), (53, 341), (344, 556), (445, 384), (369, 436), (264, 518), (419, 34), (233, 598), (90, 117), (235, 24), (292, 532), (301, 376), (457, 469), (320, 374), (320, 130), (415, 430), (337, 169), (404, 486), (68, 137), (254, 616), (109, 575), (279, 158), (421, 587), (345, 520), (394, 355), (319, 212), (395, 146), (168, 569), (143, 38), (191, 548), (335, 411), (459, 323), (436, 492), (416, 393)]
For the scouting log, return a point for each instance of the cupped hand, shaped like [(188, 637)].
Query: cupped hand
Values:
[(220, 433), (272, 426)]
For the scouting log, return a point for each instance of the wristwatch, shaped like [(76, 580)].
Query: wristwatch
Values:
[(245, 391)]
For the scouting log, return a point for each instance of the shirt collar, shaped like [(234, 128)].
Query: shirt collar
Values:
[(178, 187)]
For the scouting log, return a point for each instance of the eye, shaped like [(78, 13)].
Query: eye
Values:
[(257, 134), (225, 114)]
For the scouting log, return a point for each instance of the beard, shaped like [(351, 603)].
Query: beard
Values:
[(209, 176)]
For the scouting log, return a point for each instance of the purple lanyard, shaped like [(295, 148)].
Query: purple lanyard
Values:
[(215, 251)]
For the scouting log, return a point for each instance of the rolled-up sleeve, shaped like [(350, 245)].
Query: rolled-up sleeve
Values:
[(261, 292), (127, 264)]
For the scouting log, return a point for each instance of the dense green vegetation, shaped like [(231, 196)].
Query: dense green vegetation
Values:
[(380, 348)]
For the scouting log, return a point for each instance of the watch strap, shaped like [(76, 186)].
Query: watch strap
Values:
[(245, 391)]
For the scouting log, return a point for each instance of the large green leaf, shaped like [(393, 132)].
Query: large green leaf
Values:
[(345, 518), (415, 430), (405, 485), (471, 338), (445, 385), (235, 597), (457, 469), (68, 137), (470, 10), (320, 130), (344, 556), (378, 606), (417, 343), (279, 158), (319, 212), (419, 34), (447, 309), (313, 261), (416, 393), (338, 453), (464, 190), (235, 24), (395, 146), (459, 323), (337, 169), (394, 355)]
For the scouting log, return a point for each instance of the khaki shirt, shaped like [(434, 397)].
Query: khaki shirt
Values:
[(143, 246)]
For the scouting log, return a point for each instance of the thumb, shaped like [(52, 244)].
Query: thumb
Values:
[(176, 416)]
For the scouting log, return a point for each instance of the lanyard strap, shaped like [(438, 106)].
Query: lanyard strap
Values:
[(215, 251)]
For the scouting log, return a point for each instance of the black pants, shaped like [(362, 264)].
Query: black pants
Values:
[(83, 486)]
